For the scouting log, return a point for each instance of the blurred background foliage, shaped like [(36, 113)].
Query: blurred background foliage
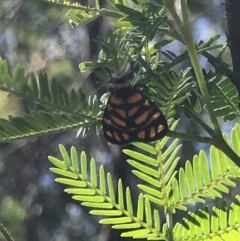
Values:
[(36, 35)]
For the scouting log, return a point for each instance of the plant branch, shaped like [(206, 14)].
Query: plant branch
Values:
[(185, 137), (221, 144), (78, 6), (167, 210), (75, 5), (188, 39), (5, 233), (184, 28), (169, 221), (208, 129)]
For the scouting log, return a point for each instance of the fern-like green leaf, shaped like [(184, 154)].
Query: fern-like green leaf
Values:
[(62, 111), (41, 90), (221, 224), (79, 18), (80, 14), (200, 179), (224, 98), (205, 177), (171, 91), (155, 167), (41, 122), (202, 48), (97, 192)]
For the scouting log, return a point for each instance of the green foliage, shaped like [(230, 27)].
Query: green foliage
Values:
[(59, 110), (135, 26), (80, 14), (171, 92), (95, 190), (161, 188), (82, 17), (225, 99), (202, 48), (40, 89), (220, 223), (142, 34)]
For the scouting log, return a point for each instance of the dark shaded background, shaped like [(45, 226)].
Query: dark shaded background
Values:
[(36, 35)]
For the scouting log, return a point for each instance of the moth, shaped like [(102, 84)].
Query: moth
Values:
[(131, 116)]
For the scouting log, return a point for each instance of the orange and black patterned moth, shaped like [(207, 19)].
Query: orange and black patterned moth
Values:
[(131, 116)]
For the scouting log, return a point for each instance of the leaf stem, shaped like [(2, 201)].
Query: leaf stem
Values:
[(183, 136), (208, 129), (5, 233), (169, 221), (219, 143), (167, 209), (184, 27), (188, 39)]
